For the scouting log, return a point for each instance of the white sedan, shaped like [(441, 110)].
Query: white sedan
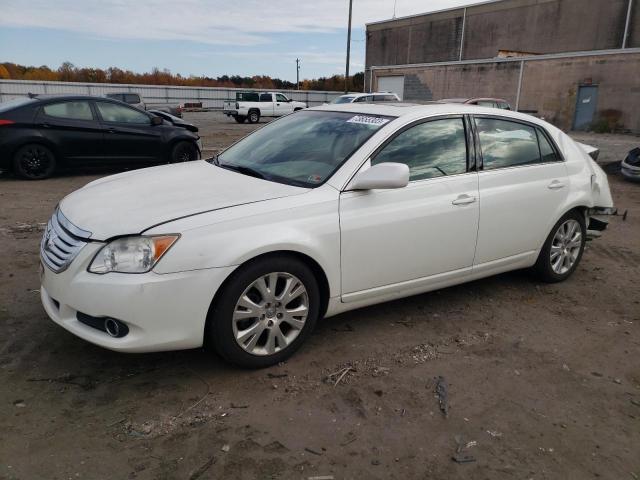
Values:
[(317, 213)]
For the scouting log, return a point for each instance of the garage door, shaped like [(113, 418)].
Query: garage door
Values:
[(393, 84)]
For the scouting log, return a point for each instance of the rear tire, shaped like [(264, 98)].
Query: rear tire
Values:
[(279, 327), (563, 249), (184, 152), (34, 162), (239, 118), (254, 116)]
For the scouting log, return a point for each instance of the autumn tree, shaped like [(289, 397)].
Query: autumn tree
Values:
[(67, 72)]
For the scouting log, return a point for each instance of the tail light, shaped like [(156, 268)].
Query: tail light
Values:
[(6, 122)]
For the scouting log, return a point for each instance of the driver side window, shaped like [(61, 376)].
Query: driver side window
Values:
[(430, 149), (281, 98)]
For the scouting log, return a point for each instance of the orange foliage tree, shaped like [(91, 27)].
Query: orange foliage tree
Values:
[(67, 72)]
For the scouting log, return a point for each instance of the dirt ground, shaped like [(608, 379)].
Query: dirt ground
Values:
[(543, 380)]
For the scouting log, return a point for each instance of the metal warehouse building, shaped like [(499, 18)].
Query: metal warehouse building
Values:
[(573, 62)]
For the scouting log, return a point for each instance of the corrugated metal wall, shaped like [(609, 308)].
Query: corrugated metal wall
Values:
[(210, 97)]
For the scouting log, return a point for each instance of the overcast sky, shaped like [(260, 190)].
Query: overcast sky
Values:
[(199, 37)]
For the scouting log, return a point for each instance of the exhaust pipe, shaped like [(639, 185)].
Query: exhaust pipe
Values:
[(112, 327)]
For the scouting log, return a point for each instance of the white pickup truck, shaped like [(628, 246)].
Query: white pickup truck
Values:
[(253, 105)]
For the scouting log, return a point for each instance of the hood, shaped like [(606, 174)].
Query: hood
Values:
[(129, 203)]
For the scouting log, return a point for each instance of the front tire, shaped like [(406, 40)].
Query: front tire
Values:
[(264, 313), (184, 152), (34, 162), (563, 249)]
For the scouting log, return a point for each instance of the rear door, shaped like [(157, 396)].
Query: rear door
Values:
[(523, 187), (266, 105), (71, 126), (128, 133)]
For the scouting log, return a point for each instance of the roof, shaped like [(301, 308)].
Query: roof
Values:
[(414, 110), (364, 94), (62, 96)]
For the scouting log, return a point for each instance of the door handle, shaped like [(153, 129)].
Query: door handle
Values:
[(111, 130), (464, 199), (555, 185), (45, 125)]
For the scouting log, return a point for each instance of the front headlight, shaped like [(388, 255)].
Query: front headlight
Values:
[(132, 254)]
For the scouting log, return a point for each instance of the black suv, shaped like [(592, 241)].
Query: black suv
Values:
[(39, 133)]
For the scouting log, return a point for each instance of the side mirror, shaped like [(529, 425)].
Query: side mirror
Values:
[(156, 121), (383, 175)]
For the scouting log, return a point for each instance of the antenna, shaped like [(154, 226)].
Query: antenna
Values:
[(394, 8)]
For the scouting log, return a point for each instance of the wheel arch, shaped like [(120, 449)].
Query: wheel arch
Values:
[(316, 268), (580, 207)]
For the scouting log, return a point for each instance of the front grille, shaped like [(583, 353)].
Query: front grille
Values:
[(61, 242)]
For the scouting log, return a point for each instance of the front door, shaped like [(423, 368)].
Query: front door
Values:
[(585, 107), (128, 133), (417, 232), (282, 105)]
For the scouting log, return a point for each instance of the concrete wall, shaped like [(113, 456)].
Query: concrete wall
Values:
[(432, 38), (535, 26), (210, 97), (549, 87)]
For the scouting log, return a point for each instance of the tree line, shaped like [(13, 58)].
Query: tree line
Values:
[(67, 72)]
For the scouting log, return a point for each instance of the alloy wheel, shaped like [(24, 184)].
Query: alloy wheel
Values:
[(565, 246), (270, 313), (34, 162)]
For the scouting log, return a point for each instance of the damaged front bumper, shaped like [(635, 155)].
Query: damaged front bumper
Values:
[(598, 220)]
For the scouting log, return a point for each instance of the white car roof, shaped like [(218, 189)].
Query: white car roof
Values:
[(415, 110)]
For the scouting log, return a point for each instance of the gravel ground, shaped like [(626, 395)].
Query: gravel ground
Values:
[(543, 380)]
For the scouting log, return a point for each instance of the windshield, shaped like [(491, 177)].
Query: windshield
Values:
[(343, 99), (16, 102), (304, 148)]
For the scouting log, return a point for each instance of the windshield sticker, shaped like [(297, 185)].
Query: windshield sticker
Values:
[(314, 179), (366, 120)]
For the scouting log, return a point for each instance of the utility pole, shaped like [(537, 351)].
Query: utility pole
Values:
[(297, 74), (346, 76)]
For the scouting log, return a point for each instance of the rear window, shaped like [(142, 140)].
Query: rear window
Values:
[(247, 97), (79, 110), (509, 144), (266, 97), (343, 99), (115, 96), (132, 98), (486, 103), (15, 103)]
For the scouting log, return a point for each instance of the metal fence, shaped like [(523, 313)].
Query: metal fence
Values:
[(210, 97)]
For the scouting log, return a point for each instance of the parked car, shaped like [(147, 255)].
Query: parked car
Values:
[(136, 100), (39, 134), (317, 213), (630, 166), (482, 102), (366, 98), (253, 105), (177, 121)]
